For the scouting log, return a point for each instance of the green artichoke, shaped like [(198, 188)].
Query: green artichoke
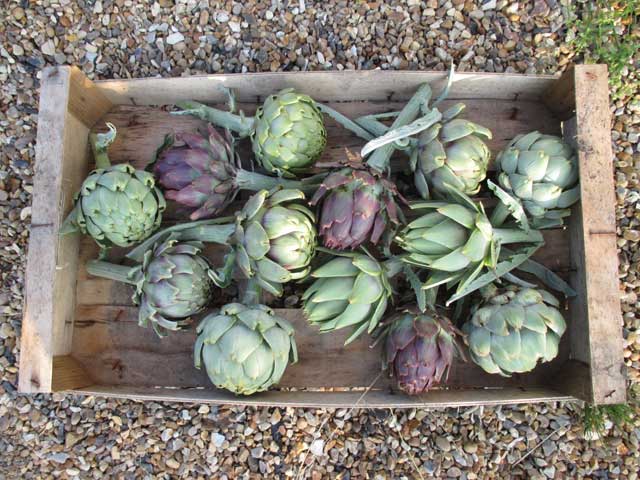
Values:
[(420, 349), (172, 283), (275, 239), (513, 329), (540, 173), (351, 290), (117, 204), (245, 349), (452, 153), (455, 241), (287, 132)]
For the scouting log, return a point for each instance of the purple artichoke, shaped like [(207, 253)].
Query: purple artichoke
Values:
[(357, 207), (420, 348), (198, 172)]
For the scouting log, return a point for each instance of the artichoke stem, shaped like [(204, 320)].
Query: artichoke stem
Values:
[(379, 159), (100, 143), (119, 273), (346, 122), (240, 124), (512, 235), (499, 214), (252, 293), (376, 127), (246, 180), (209, 233)]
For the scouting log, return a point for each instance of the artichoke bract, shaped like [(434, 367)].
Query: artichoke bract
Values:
[(275, 239), (455, 241), (452, 153), (117, 204), (287, 132), (351, 290), (172, 283), (244, 348), (420, 349), (540, 173), (204, 173), (513, 329), (357, 208)]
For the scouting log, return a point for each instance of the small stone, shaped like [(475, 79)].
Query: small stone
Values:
[(71, 439), (489, 5), (234, 27), (173, 463), (17, 50), (633, 137), (317, 447), (454, 472), (257, 452), (59, 457), (222, 17), (470, 447), (550, 471), (442, 54), (48, 48), (6, 330), (174, 38), (18, 13), (478, 14), (237, 9), (268, 14), (443, 444), (204, 17), (217, 439)]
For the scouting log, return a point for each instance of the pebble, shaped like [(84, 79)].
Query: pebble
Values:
[(443, 444), (174, 38)]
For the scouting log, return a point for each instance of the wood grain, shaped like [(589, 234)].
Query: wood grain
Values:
[(370, 85), (597, 323), (116, 351), (335, 399), (141, 129)]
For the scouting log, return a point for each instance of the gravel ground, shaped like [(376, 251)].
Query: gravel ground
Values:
[(66, 437)]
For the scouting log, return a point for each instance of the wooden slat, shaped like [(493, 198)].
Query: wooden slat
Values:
[(68, 374), (323, 86), (596, 328), (372, 399), (115, 350), (141, 130)]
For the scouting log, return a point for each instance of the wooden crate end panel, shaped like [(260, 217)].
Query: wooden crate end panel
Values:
[(598, 237), (560, 97)]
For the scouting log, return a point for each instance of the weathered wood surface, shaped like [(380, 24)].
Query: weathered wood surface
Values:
[(596, 329), (336, 399), (141, 129), (115, 350), (66, 112), (324, 86)]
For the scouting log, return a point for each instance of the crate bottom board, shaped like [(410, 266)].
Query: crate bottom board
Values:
[(114, 350)]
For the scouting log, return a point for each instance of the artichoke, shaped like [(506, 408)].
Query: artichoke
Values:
[(351, 290), (275, 239), (540, 174), (452, 153), (455, 241), (287, 132), (205, 174), (117, 204), (513, 329), (420, 349), (245, 349), (172, 283), (357, 208)]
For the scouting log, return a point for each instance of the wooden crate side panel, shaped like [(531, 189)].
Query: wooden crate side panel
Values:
[(68, 374), (86, 101), (323, 86), (560, 97), (357, 399), (594, 238), (61, 165)]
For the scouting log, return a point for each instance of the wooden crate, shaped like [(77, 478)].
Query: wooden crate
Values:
[(80, 334)]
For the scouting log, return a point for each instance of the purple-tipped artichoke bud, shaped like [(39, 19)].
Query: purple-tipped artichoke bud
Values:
[(357, 208), (420, 349)]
